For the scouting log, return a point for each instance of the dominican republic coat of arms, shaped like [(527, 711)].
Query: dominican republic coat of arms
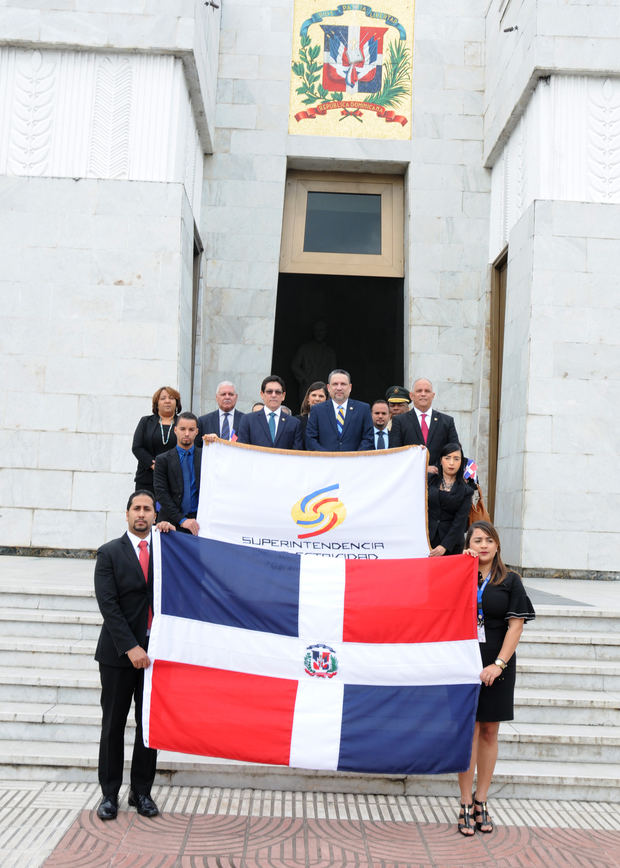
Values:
[(352, 70)]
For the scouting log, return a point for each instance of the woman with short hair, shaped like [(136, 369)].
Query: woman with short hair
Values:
[(154, 434)]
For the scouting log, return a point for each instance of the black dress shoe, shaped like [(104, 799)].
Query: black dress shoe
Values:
[(107, 808), (143, 804)]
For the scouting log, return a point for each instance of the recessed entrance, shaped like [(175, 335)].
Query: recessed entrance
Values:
[(364, 328)]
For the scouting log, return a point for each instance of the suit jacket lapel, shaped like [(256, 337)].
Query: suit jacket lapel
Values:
[(281, 423), (349, 407), (262, 421), (197, 465), (416, 426), (132, 561), (176, 466), (432, 426)]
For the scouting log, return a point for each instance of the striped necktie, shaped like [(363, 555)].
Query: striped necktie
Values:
[(340, 419)]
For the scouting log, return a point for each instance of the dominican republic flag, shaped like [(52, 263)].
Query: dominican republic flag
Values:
[(353, 58), (310, 661)]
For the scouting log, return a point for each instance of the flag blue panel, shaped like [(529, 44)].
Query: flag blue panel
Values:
[(407, 730), (236, 586)]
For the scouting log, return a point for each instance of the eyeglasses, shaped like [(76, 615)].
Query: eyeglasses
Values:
[(274, 392)]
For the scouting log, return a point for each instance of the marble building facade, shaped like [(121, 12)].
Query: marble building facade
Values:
[(144, 152)]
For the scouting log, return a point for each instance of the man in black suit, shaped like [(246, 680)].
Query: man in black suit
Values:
[(176, 478), (223, 422), (380, 412), (424, 426), (271, 426), (339, 425), (123, 586)]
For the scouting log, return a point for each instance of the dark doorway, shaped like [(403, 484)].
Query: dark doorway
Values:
[(364, 318)]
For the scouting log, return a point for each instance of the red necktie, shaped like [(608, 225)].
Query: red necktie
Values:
[(424, 427), (143, 557)]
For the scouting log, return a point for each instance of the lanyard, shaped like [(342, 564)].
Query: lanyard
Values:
[(480, 593)]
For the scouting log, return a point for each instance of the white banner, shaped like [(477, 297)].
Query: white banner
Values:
[(355, 505)]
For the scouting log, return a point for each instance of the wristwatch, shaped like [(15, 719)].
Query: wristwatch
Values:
[(501, 663)]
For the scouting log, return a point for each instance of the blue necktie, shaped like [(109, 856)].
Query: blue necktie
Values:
[(380, 440), (340, 419), (272, 426), (225, 427), (186, 503)]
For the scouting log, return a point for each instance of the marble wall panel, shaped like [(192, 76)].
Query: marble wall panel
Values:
[(565, 146), (16, 526), (67, 529), (571, 369), (86, 114), (102, 492), (106, 338)]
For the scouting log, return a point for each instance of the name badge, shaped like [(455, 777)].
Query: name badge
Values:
[(481, 634)]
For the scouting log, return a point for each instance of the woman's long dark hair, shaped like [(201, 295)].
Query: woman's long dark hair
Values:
[(447, 449), (498, 567), (305, 406)]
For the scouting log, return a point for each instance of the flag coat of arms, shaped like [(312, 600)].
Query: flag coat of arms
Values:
[(353, 58), (312, 662)]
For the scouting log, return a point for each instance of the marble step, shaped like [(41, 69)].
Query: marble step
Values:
[(574, 620), (53, 597), (63, 686), (66, 624), (559, 742), (45, 652), (561, 706), (585, 646), (62, 761), (518, 740), (568, 673)]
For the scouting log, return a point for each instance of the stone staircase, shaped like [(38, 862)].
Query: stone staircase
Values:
[(563, 744)]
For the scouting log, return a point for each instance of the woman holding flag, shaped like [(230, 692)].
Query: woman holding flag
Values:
[(503, 609)]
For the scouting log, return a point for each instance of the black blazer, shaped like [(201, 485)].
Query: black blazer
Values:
[(147, 445), (210, 424), (322, 431), (168, 482), (254, 429), (124, 599), (406, 431), (448, 513)]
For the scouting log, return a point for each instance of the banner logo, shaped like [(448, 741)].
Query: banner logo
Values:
[(320, 661), (318, 513)]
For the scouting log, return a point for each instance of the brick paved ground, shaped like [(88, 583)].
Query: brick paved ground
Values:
[(286, 842), (54, 824)]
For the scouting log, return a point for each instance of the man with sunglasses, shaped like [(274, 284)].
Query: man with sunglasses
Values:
[(270, 426)]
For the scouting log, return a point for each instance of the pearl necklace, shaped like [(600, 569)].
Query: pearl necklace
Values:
[(161, 428)]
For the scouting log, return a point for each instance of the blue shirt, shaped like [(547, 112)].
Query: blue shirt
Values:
[(190, 500)]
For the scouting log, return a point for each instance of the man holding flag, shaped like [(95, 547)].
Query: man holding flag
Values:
[(124, 590)]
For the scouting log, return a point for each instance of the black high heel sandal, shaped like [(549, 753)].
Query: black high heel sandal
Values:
[(465, 821), (481, 811)]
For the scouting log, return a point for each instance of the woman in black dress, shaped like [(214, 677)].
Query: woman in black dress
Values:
[(503, 609), (154, 434), (449, 501)]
